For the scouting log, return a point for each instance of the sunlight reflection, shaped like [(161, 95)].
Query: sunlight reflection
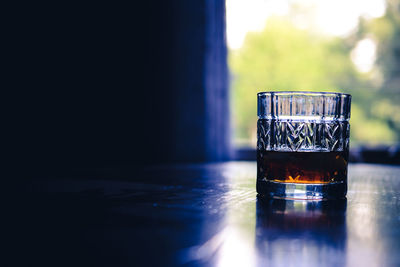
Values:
[(235, 250), (364, 226)]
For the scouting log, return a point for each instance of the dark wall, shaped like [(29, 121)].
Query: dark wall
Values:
[(109, 84)]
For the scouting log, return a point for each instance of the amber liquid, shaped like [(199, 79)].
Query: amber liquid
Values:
[(302, 167)]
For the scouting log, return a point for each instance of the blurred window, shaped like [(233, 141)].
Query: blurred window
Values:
[(317, 45)]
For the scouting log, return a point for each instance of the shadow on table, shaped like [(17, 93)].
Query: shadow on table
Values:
[(304, 233)]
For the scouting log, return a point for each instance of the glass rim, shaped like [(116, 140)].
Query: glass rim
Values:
[(303, 93), (303, 104)]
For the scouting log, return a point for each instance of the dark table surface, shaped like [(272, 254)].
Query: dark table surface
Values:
[(206, 214)]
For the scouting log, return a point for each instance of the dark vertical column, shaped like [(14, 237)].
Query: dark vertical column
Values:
[(187, 137), (216, 85), (199, 84)]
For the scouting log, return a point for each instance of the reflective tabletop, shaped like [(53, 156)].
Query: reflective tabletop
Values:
[(208, 215)]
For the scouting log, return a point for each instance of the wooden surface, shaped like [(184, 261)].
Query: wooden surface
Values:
[(206, 215)]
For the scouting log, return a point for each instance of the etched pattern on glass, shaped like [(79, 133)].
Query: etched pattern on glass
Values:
[(302, 136), (263, 132)]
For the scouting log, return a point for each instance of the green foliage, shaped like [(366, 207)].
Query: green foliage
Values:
[(285, 58), (386, 30), (384, 106)]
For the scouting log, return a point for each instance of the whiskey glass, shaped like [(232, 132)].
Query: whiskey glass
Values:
[(303, 145)]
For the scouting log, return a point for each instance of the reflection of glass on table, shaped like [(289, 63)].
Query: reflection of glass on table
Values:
[(301, 231)]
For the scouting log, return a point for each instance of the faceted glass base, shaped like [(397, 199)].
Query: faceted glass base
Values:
[(301, 191)]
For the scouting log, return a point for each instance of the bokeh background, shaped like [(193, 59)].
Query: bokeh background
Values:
[(341, 46)]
